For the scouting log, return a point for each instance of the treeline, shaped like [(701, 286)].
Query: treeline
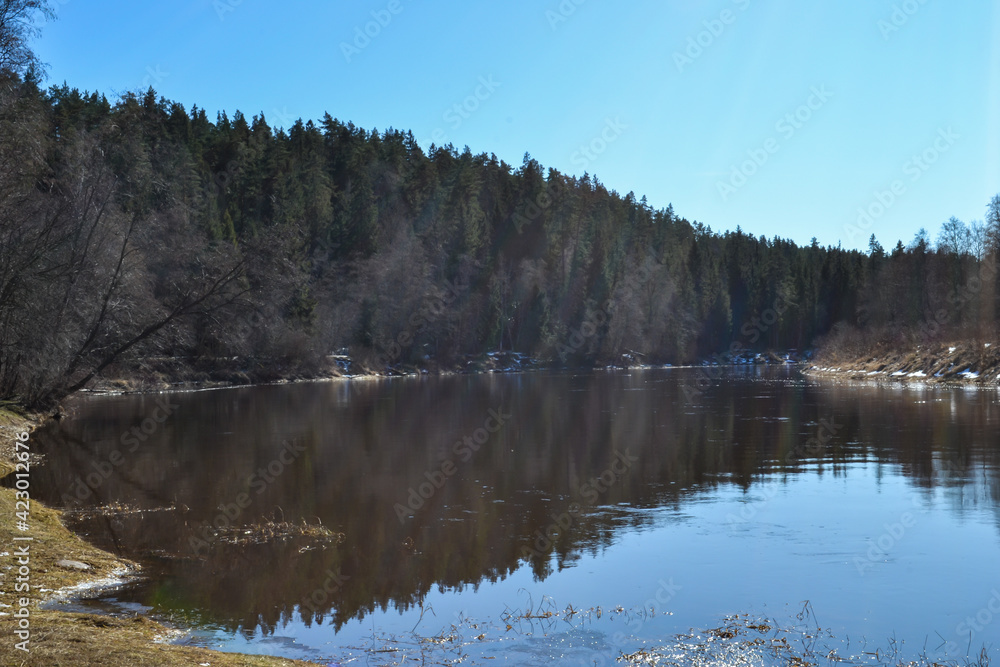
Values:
[(139, 232), (926, 293)]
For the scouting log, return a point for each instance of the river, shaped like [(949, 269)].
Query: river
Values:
[(548, 517)]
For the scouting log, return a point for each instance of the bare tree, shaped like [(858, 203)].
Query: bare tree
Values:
[(502, 304), (978, 240), (26, 228), (993, 224), (954, 237), (85, 278), (18, 27)]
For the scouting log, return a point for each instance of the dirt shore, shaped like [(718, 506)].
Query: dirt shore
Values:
[(61, 564), (960, 362)]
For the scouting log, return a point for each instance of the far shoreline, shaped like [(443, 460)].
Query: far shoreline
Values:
[(128, 387), (941, 365)]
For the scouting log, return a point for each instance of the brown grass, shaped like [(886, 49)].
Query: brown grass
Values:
[(61, 639), (851, 355)]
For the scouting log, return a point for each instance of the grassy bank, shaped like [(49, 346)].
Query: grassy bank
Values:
[(957, 362), (60, 638)]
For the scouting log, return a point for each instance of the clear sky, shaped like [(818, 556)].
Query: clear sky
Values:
[(784, 117)]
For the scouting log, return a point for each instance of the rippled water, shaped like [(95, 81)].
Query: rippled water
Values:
[(549, 518)]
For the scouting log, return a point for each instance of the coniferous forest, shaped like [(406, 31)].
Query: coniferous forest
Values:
[(139, 237), (150, 246)]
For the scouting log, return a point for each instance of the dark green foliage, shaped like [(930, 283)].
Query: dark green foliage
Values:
[(353, 238)]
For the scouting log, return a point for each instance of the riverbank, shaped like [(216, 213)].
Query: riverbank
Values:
[(61, 564), (960, 362), (180, 377), (168, 374)]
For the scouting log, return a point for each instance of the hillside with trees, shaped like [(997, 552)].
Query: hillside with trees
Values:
[(139, 236), (141, 239)]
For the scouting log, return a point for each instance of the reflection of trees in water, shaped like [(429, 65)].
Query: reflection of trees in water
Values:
[(367, 443), (936, 437)]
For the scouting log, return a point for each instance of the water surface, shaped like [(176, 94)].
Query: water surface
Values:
[(546, 518)]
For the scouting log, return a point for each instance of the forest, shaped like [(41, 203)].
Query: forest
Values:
[(142, 239)]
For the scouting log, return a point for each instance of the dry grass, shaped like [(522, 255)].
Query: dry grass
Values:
[(12, 422), (271, 531), (51, 542), (963, 361), (60, 638)]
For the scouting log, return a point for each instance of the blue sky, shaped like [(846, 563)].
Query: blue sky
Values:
[(783, 117)]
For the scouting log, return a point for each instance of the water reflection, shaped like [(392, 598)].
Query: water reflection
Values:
[(430, 490)]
